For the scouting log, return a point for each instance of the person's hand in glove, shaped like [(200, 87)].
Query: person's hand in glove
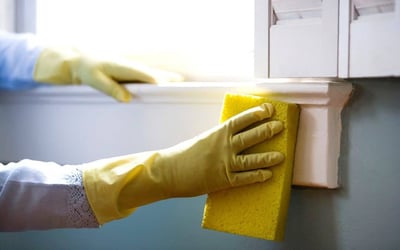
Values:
[(64, 66), (207, 163)]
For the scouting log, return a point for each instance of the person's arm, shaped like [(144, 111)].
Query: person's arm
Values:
[(18, 56), (212, 161), (38, 195), (25, 62)]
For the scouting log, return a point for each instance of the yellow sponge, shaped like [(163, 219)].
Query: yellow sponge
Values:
[(258, 210)]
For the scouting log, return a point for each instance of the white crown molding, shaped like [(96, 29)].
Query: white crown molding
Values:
[(321, 102)]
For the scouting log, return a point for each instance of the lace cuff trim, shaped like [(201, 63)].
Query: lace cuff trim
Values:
[(80, 214)]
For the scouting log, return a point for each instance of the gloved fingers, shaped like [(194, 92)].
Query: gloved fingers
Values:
[(250, 116), (128, 70), (105, 84), (254, 161), (253, 136), (250, 177)]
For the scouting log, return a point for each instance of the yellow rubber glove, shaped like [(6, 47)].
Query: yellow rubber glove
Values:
[(209, 162), (65, 66)]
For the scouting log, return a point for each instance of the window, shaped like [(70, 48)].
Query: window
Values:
[(206, 40)]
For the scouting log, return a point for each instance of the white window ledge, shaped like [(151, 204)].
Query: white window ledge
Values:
[(321, 102)]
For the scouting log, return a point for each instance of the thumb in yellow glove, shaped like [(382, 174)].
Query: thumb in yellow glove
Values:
[(209, 162), (64, 66)]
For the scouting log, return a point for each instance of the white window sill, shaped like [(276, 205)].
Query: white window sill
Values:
[(321, 102)]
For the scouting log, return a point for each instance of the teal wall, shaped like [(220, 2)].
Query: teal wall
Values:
[(363, 214)]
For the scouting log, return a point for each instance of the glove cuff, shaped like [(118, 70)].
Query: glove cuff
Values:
[(115, 187), (54, 66)]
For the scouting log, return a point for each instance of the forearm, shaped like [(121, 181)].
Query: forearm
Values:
[(18, 56), (43, 195)]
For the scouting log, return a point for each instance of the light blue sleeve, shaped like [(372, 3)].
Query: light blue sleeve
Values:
[(18, 55)]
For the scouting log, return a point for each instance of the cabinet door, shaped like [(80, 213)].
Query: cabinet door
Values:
[(374, 38), (303, 38)]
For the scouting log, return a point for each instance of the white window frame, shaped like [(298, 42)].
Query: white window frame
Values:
[(25, 16), (261, 38), (7, 15), (18, 15)]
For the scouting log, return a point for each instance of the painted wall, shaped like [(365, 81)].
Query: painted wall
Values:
[(363, 214)]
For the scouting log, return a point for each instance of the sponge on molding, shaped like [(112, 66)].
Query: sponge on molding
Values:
[(258, 210)]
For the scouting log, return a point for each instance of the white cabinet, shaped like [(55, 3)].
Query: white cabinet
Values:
[(372, 29), (330, 38), (303, 38)]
